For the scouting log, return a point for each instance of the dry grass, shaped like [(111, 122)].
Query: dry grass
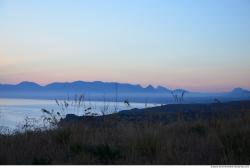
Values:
[(218, 140)]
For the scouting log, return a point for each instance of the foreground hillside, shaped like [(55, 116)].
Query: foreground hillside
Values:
[(174, 134)]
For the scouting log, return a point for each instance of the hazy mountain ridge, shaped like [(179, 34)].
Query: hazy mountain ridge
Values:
[(96, 86), (240, 91), (99, 91), (99, 86)]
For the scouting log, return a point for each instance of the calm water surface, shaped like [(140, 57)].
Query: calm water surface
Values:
[(14, 111)]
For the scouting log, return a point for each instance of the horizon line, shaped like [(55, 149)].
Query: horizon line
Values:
[(154, 86)]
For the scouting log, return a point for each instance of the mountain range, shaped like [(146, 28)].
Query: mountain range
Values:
[(135, 91), (95, 87)]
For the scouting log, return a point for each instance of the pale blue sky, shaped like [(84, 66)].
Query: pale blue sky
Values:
[(201, 45)]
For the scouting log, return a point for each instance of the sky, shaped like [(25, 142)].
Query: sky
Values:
[(199, 45)]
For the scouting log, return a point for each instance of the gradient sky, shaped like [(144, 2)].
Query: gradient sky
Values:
[(200, 45)]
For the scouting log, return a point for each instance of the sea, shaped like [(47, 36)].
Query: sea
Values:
[(16, 113)]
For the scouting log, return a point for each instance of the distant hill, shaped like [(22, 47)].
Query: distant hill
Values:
[(240, 91), (95, 87)]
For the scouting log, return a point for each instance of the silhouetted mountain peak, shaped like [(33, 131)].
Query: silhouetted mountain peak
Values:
[(240, 90), (28, 84), (77, 82), (150, 87)]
